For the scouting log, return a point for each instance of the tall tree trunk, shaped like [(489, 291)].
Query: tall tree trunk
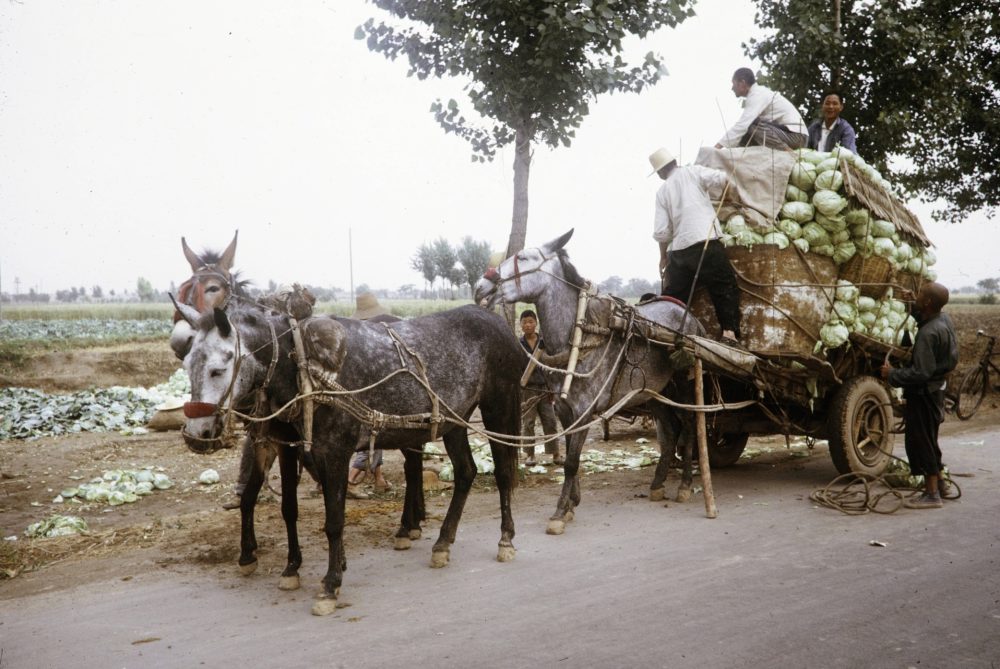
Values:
[(519, 217)]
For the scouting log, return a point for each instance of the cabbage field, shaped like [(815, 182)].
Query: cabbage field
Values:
[(90, 329)]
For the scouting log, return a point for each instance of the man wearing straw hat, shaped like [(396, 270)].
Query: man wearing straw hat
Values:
[(688, 231), (367, 308)]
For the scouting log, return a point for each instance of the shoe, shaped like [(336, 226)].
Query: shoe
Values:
[(945, 489), (925, 501), (233, 503), (382, 486), (354, 491)]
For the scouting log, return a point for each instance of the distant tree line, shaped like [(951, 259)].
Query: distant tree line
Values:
[(456, 266)]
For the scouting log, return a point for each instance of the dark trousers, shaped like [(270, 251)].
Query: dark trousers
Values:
[(772, 136), (924, 413), (716, 275), (544, 412)]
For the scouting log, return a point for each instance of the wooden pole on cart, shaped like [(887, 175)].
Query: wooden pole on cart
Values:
[(703, 466)]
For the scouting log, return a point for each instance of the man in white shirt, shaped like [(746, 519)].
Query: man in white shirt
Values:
[(684, 220), (768, 118)]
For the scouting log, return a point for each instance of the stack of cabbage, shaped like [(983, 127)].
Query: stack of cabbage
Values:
[(817, 218), (885, 320)]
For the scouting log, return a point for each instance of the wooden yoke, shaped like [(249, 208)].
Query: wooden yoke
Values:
[(305, 383)]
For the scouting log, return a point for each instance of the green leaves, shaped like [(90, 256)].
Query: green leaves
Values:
[(527, 62), (919, 82)]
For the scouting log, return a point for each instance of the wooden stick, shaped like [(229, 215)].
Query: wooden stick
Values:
[(305, 383), (703, 465), (532, 362), (574, 352)]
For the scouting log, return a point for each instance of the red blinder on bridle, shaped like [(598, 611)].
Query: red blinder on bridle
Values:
[(199, 409), (492, 274)]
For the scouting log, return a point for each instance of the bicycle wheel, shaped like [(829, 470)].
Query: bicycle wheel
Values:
[(971, 393)]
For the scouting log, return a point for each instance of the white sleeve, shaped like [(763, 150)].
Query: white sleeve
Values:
[(755, 102), (662, 229), (709, 177)]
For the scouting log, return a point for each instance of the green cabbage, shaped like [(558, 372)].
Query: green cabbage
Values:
[(800, 212), (882, 228), (776, 238), (830, 179), (833, 334), (866, 303), (845, 311), (790, 228), (841, 237), (847, 291), (803, 175), (823, 249), (843, 252), (929, 257), (831, 223), (828, 202), (860, 327), (903, 252), (930, 274), (813, 156), (858, 217), (884, 247), (815, 235), (801, 244), (735, 225), (793, 194), (867, 317)]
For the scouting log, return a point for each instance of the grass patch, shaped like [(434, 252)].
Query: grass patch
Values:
[(125, 311)]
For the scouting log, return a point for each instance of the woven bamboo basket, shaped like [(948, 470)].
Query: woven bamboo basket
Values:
[(871, 275)]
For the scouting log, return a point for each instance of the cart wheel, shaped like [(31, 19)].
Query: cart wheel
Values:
[(971, 393), (725, 449), (859, 427)]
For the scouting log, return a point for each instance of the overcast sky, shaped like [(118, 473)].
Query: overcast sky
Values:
[(126, 125)]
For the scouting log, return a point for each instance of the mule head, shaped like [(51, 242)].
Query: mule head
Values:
[(524, 276), (220, 378)]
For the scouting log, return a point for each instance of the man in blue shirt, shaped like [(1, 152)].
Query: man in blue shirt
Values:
[(831, 130)]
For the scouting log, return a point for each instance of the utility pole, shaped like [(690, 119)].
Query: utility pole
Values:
[(350, 259), (835, 71)]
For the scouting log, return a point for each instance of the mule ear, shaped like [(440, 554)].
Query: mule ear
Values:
[(559, 242), (193, 259), (229, 255), (222, 322), (187, 312)]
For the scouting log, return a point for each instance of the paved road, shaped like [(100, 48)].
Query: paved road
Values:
[(772, 582)]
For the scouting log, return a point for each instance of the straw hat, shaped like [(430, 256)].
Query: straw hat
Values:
[(367, 306), (660, 159)]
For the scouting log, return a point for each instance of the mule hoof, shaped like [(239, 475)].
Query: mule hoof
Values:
[(289, 583), (683, 495), (657, 495), (440, 559), (247, 569), (415, 534), (555, 527), (324, 606), (506, 554), (402, 544)]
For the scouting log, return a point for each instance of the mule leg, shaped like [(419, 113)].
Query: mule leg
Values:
[(456, 443), (667, 429), (505, 471), (248, 502), (413, 501), (332, 470), (569, 498), (288, 462)]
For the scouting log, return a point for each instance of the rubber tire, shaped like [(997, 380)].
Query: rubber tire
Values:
[(726, 449), (860, 394), (971, 393)]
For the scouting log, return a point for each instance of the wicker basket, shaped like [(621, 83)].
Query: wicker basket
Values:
[(871, 275)]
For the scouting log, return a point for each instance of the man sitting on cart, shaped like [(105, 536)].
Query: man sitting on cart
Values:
[(935, 353), (685, 219)]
